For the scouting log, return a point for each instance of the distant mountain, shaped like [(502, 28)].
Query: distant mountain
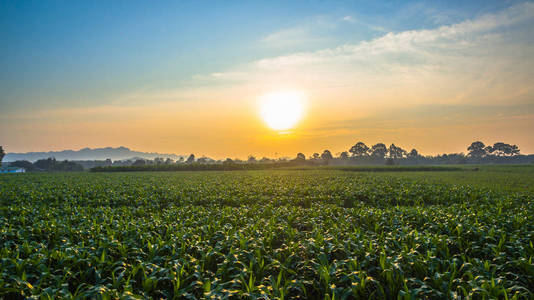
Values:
[(119, 153)]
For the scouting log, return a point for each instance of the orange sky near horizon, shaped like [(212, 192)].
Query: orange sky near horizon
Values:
[(217, 129)]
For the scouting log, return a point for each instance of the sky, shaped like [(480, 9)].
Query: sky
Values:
[(187, 76)]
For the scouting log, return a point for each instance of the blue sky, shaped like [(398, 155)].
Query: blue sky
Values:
[(74, 52), (104, 73)]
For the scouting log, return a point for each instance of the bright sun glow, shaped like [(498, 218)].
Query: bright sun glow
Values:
[(282, 110)]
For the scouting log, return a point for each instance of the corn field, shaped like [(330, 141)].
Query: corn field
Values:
[(271, 234)]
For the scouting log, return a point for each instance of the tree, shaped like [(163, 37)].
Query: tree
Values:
[(2, 153), (326, 155), (251, 160), (489, 150), (500, 148), (168, 161), (344, 155), (379, 150), (360, 149), (22, 164), (315, 156), (266, 160), (396, 152), (413, 154), (139, 162), (477, 149), (515, 150), (45, 164), (190, 159), (503, 149), (202, 160), (50, 164), (159, 161), (67, 166), (300, 157)]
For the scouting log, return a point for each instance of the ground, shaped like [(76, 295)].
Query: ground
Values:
[(315, 233)]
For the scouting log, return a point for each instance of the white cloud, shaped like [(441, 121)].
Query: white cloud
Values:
[(467, 35), (349, 19), (486, 59)]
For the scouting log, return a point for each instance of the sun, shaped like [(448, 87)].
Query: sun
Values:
[(282, 110)]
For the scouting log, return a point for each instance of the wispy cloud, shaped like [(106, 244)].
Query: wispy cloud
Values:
[(307, 32), (355, 21), (318, 30), (486, 59), (349, 19), (290, 37), (467, 35)]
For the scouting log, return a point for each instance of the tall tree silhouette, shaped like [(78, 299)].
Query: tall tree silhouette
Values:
[(300, 157), (2, 153), (327, 155), (379, 150), (359, 149), (396, 152), (190, 159), (503, 149), (413, 153), (477, 149)]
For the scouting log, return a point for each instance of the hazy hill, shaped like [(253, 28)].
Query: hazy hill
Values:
[(88, 154)]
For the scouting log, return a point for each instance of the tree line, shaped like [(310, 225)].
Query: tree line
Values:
[(358, 154), (48, 165), (359, 151)]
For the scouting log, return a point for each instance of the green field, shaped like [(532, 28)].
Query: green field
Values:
[(313, 233)]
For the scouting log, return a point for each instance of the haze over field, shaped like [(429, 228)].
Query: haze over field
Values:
[(119, 153), (229, 79)]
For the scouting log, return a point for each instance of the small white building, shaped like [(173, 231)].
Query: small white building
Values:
[(10, 170)]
